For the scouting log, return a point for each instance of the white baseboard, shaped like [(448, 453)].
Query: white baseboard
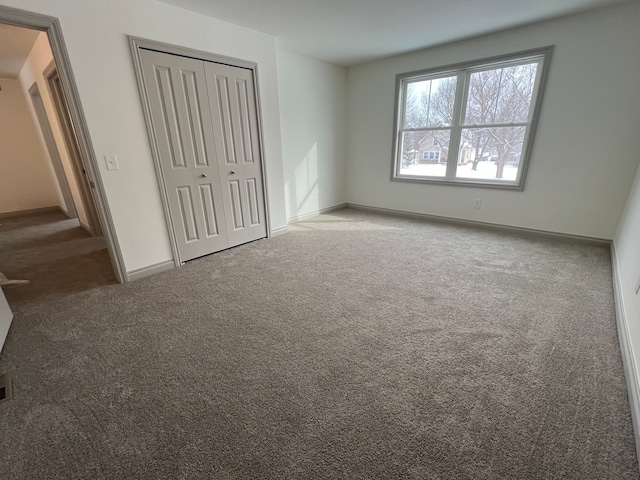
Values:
[(31, 211), (315, 213), (628, 357), (475, 223), (276, 232), (85, 228), (149, 270)]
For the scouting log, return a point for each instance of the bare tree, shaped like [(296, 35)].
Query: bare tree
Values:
[(500, 96), (430, 105), (413, 118), (410, 147)]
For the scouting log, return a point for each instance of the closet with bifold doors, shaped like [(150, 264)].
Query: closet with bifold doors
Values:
[(205, 128)]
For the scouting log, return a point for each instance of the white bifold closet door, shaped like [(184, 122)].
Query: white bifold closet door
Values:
[(205, 123)]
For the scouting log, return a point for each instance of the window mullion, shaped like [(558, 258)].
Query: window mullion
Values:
[(456, 130), (427, 129), (497, 125)]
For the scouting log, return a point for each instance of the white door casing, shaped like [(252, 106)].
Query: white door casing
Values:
[(52, 150), (73, 148)]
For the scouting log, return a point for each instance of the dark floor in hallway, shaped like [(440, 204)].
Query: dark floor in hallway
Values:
[(55, 254)]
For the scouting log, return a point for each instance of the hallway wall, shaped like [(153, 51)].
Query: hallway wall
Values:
[(26, 176), (32, 72)]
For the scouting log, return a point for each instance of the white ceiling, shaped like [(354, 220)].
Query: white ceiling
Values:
[(347, 32), (15, 45)]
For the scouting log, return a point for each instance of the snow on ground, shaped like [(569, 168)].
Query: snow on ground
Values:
[(485, 171)]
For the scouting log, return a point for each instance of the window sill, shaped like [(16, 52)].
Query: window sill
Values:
[(497, 184)]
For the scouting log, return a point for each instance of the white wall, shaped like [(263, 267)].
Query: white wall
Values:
[(95, 34), (26, 180), (627, 260), (585, 153), (32, 72), (313, 102), (6, 316)]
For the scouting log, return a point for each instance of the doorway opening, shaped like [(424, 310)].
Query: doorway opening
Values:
[(54, 228), (57, 89)]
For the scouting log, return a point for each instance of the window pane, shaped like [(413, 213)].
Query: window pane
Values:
[(429, 103), (502, 95), (490, 153), (425, 153)]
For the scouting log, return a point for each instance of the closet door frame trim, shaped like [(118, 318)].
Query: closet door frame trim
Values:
[(136, 44)]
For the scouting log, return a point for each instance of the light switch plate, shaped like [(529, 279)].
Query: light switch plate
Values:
[(112, 162)]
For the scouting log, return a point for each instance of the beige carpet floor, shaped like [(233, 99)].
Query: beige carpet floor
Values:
[(358, 346)]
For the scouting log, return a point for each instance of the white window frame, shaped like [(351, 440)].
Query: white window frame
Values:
[(463, 71)]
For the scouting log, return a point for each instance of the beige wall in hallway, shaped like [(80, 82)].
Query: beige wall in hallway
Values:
[(32, 72), (26, 178)]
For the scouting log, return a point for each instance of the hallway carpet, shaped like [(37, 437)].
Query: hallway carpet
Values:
[(358, 346), (54, 254)]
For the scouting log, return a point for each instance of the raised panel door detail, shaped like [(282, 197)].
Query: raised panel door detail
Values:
[(170, 116), (235, 121), (194, 118), (244, 118), (254, 207), (208, 206), (179, 99), (224, 111), (236, 204), (187, 214)]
